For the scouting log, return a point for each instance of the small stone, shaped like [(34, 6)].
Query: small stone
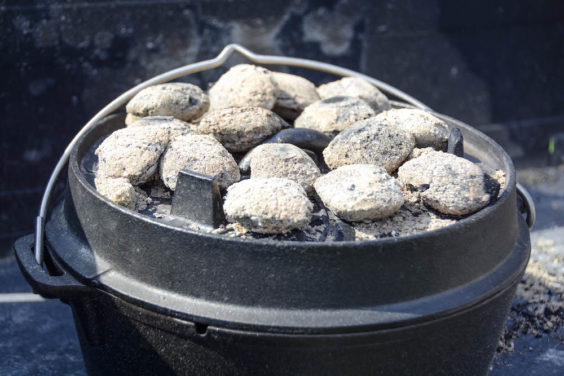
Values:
[(239, 129), (177, 99), (268, 205), (293, 94), (118, 190), (132, 153), (358, 88), (284, 161), (201, 154), (369, 142), (360, 192), (243, 85), (334, 114), (174, 126), (447, 183), (428, 130)]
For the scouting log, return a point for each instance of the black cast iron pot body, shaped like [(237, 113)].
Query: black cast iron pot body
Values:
[(154, 298)]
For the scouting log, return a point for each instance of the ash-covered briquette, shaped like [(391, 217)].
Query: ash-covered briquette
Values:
[(369, 142), (428, 130), (175, 127), (360, 192), (240, 128), (180, 100), (118, 190), (132, 153), (334, 114), (199, 153), (268, 205), (358, 88), (243, 85), (293, 94), (284, 161), (447, 183)]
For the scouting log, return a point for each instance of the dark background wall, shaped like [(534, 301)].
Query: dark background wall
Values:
[(496, 65)]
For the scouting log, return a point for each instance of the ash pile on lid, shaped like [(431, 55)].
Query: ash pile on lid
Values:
[(294, 161)]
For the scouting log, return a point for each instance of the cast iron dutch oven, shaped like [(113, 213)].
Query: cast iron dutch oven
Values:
[(153, 298)]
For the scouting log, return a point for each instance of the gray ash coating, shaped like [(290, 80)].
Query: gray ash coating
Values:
[(284, 161), (412, 218), (243, 85), (447, 183), (293, 94), (360, 192), (307, 139), (358, 88), (240, 128), (118, 190), (174, 126), (132, 153), (334, 114), (369, 142), (268, 205), (180, 100), (426, 129), (199, 153)]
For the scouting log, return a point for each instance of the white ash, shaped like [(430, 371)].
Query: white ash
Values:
[(240, 129), (428, 130), (369, 142), (177, 99), (334, 114), (447, 183), (284, 161), (143, 200), (201, 154), (121, 191), (132, 153), (268, 205), (243, 85), (410, 219), (175, 127), (358, 88), (500, 177), (360, 192), (293, 94)]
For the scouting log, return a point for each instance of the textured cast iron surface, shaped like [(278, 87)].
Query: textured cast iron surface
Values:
[(117, 337)]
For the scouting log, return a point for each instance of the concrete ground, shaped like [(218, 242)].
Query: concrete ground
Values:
[(37, 337)]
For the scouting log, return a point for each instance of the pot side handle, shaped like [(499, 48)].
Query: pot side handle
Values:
[(526, 205), (50, 286)]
